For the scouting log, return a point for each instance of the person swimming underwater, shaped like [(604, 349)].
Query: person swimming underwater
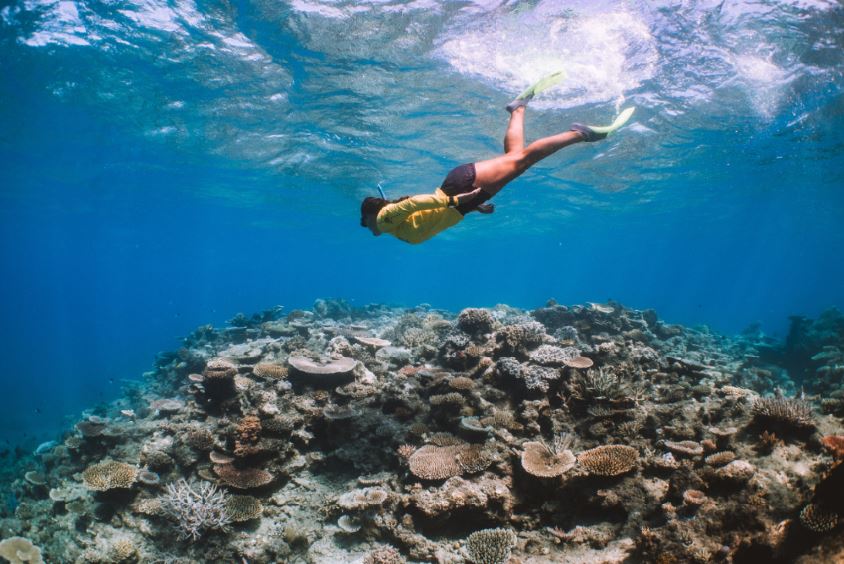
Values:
[(415, 219)]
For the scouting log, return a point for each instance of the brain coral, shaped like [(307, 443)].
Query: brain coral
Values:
[(609, 460), (475, 321), (490, 546), (109, 475), (242, 478), (539, 460)]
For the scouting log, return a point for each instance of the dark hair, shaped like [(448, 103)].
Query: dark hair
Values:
[(373, 206)]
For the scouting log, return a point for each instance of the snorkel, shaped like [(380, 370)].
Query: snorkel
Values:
[(381, 191)]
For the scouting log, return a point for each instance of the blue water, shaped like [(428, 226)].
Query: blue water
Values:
[(166, 164)]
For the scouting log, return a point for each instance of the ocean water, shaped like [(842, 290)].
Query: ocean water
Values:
[(169, 163)]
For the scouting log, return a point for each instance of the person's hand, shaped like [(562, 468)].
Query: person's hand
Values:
[(468, 197)]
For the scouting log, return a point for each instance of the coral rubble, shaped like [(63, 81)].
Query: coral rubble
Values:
[(383, 435)]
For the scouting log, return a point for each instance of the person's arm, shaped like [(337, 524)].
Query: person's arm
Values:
[(393, 214)]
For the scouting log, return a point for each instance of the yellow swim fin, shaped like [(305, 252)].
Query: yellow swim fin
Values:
[(592, 133)]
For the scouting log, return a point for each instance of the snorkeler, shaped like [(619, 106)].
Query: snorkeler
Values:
[(467, 188)]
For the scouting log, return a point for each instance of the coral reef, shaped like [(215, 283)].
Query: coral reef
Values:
[(586, 433)]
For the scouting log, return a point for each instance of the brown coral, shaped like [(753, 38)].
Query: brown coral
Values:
[(242, 478), (461, 383), (109, 475), (720, 458), (835, 445), (609, 460), (270, 370), (686, 448), (384, 555), (475, 321), (818, 519), (694, 497), (219, 368), (541, 461), (451, 398), (433, 462), (241, 508)]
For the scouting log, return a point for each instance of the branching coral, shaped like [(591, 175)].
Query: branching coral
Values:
[(517, 340), (600, 385), (195, 509), (475, 321), (787, 412), (490, 546)]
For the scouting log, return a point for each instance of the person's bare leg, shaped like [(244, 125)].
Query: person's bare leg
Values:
[(514, 138), (493, 174)]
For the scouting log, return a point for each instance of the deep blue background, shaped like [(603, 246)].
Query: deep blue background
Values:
[(114, 244)]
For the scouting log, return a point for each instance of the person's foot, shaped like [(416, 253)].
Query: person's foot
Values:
[(486, 208), (589, 135), (520, 102)]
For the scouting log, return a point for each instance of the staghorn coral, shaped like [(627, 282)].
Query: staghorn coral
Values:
[(475, 321), (239, 508), (609, 460), (195, 509), (600, 385), (490, 546), (539, 460), (818, 519), (786, 412), (109, 475), (242, 478)]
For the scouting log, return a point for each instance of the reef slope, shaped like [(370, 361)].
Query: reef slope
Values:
[(591, 433)]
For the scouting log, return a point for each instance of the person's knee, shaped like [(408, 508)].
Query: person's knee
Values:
[(522, 160)]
